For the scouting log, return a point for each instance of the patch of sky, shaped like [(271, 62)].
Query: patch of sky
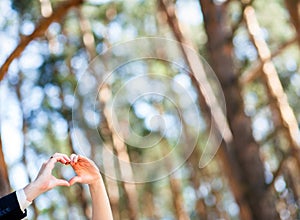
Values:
[(7, 47), (143, 109), (189, 12), (60, 128), (33, 100), (291, 64), (30, 61), (115, 32), (262, 125), (251, 100), (99, 2), (280, 184), (243, 48), (27, 27), (17, 176)]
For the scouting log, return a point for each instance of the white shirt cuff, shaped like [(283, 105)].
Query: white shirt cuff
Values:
[(22, 199)]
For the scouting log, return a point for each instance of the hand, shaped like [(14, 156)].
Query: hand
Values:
[(86, 170), (45, 180), (88, 173)]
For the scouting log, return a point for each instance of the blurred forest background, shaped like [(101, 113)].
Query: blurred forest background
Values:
[(253, 48)]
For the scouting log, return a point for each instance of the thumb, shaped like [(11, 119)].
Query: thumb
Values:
[(61, 182), (75, 179)]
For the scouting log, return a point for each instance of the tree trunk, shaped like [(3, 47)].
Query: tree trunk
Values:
[(120, 148), (228, 165), (4, 181), (245, 150), (293, 8), (283, 114)]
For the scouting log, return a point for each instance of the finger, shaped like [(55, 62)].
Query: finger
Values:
[(72, 157), (67, 158), (80, 157), (75, 179), (59, 157), (84, 159), (63, 158), (61, 182), (87, 161), (76, 158), (49, 165)]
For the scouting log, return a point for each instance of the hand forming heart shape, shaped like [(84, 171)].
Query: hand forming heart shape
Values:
[(86, 172)]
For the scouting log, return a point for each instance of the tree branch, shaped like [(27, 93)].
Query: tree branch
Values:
[(281, 110), (277, 172), (41, 27), (256, 69)]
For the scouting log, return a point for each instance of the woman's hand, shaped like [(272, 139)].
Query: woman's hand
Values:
[(86, 170), (88, 173), (45, 180)]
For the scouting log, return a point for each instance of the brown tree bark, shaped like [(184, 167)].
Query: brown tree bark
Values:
[(283, 115), (112, 168), (4, 181), (228, 165), (120, 148), (175, 185), (293, 8), (87, 35), (148, 206), (245, 150), (282, 112)]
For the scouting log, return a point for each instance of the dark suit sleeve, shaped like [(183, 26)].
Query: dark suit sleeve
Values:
[(10, 208)]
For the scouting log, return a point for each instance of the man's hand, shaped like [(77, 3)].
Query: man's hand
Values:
[(86, 170), (45, 180)]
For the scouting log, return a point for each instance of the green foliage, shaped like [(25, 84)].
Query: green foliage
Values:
[(27, 9), (47, 100)]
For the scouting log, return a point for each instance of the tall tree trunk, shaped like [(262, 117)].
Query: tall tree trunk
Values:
[(283, 114), (175, 185), (229, 166), (245, 150), (4, 181), (180, 212), (110, 167), (120, 148), (148, 205), (110, 184), (293, 8)]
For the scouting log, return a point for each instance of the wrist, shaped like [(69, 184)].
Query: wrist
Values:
[(96, 184), (32, 191)]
